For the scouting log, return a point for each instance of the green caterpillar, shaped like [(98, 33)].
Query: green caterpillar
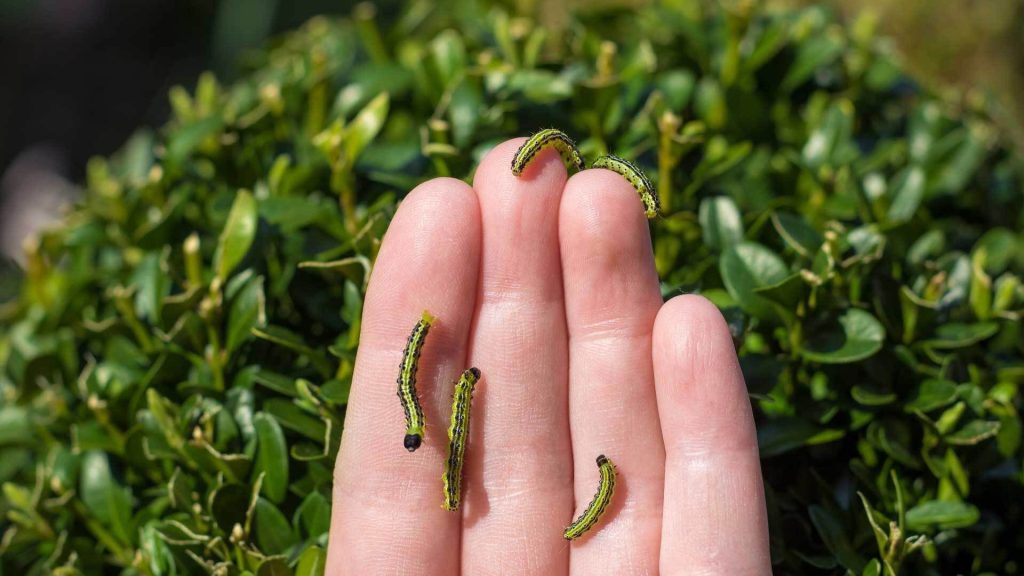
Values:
[(407, 383), (597, 506), (629, 171), (458, 433), (547, 138)]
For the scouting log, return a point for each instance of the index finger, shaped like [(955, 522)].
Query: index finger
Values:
[(387, 516)]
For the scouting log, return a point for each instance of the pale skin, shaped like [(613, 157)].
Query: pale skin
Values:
[(547, 284)]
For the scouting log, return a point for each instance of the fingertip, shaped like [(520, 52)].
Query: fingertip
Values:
[(438, 213), (546, 168), (600, 208), (436, 233), (608, 262), (690, 332), (701, 393), (441, 194), (496, 161)]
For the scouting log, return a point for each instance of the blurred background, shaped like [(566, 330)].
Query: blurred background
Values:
[(77, 77)]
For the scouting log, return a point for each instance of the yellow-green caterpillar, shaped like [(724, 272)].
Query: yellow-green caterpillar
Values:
[(458, 433), (407, 383), (629, 171), (548, 138), (597, 506)]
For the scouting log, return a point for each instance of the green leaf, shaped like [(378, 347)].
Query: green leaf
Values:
[(797, 233), (974, 432), (271, 457), (720, 221), (237, 236), (18, 497), (336, 391), (464, 112), (247, 311), (867, 396), (747, 266), (92, 436), (814, 53), (306, 452), (370, 81), (365, 127), (292, 214), (858, 336), (930, 395), (834, 536), (291, 340), (942, 514), (710, 103), (1000, 246), (893, 436), (957, 335), (313, 516), (104, 497), (185, 141), (781, 435), (151, 287), (274, 567), (162, 415), (15, 425), (272, 532), (928, 246), (678, 86), (449, 55), (907, 195), (292, 417), (876, 520), (829, 143), (228, 506), (275, 382), (312, 562), (787, 294), (540, 86)]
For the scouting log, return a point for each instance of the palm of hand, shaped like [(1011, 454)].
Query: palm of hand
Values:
[(548, 286)]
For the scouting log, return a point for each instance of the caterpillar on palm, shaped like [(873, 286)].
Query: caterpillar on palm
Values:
[(407, 394), (592, 514), (458, 434)]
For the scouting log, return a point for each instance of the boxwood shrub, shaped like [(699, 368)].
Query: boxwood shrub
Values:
[(176, 354)]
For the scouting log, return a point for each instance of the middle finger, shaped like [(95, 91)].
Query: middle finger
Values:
[(519, 465)]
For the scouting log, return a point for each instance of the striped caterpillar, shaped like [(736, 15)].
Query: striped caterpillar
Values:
[(458, 433), (547, 138), (629, 171), (589, 518), (407, 383)]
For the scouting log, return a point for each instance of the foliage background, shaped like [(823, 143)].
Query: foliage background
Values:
[(173, 391)]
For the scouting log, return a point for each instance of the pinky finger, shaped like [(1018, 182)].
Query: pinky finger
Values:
[(714, 520)]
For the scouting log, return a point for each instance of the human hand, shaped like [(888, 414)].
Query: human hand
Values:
[(548, 286)]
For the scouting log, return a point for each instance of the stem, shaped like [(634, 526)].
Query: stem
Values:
[(193, 262), (209, 311), (215, 357), (344, 183), (365, 15), (124, 306), (668, 126)]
